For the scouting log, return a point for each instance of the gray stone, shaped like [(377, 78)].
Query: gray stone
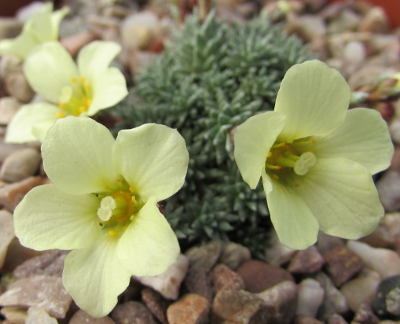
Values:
[(41, 291), (6, 234), (198, 281), (50, 263), (276, 253), (311, 296), (9, 27), (389, 190), (205, 256), (20, 165), (336, 319), (168, 283), (334, 302), (132, 313), (8, 107), (18, 87), (365, 315), (234, 255), (191, 308)]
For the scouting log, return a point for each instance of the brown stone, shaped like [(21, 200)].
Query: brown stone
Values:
[(8, 107), (302, 319), (198, 281), (75, 42), (18, 87), (191, 309), (259, 276), (41, 291), (223, 278), (20, 165), (239, 307), (39, 315), (233, 255), (16, 315), (342, 265), (11, 195), (282, 298), (18, 254), (82, 317), (336, 319), (205, 256), (306, 261), (156, 303), (365, 315), (132, 313)]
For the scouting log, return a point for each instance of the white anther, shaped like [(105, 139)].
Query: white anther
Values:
[(305, 163), (66, 93), (107, 205)]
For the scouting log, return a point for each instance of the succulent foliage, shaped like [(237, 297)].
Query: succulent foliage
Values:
[(211, 78)]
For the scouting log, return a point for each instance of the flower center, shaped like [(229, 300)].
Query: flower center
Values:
[(117, 209), (75, 98), (284, 157)]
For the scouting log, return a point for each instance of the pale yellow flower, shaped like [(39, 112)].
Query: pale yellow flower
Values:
[(315, 158), (103, 206), (41, 28), (72, 89)]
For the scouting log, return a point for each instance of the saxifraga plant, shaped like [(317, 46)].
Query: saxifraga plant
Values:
[(211, 78)]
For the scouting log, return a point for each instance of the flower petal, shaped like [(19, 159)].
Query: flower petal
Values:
[(363, 138), (49, 68), (31, 123), (94, 276), (342, 196), (253, 140), (77, 155), (109, 88), (149, 245), (95, 57), (314, 98), (153, 159), (39, 26), (295, 225), (55, 19), (48, 218)]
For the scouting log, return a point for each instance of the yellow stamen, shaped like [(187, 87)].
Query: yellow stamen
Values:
[(278, 145), (82, 79), (87, 86), (112, 233), (269, 154), (73, 80), (125, 227), (275, 176), (272, 167), (61, 105), (131, 189), (296, 185), (313, 141), (60, 115), (118, 180), (133, 199), (82, 109)]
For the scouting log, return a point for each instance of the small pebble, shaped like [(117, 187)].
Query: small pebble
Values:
[(20, 165), (223, 278), (311, 296), (18, 87), (387, 299), (39, 315), (168, 283), (132, 312), (385, 262), (8, 107), (6, 234), (156, 303), (234, 255), (191, 308), (365, 315), (81, 317), (205, 256), (259, 276), (306, 261)]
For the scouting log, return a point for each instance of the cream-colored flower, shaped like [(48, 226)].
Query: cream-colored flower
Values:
[(315, 158), (41, 28), (72, 89), (103, 206)]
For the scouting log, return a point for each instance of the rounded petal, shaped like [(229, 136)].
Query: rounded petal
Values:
[(94, 276), (149, 245), (77, 155), (314, 99), (48, 218), (49, 68), (153, 159), (363, 137), (109, 88), (31, 123), (342, 196), (253, 140), (95, 57), (295, 225)]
